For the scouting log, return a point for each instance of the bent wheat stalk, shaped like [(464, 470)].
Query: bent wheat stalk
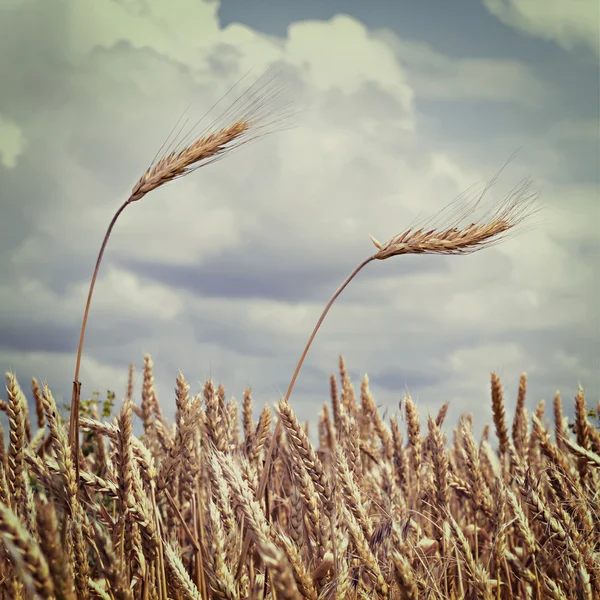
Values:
[(448, 237), (252, 116)]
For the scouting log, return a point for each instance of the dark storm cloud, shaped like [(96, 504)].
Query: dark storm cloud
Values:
[(255, 272), (396, 380), (28, 336), (238, 277), (39, 68), (32, 334)]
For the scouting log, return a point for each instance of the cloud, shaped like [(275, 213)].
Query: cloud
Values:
[(435, 76), (224, 273), (570, 24), (12, 143)]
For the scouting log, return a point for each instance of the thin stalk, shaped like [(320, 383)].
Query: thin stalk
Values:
[(198, 510), (197, 557), (268, 458), (161, 572), (185, 526), (253, 115), (76, 396), (476, 536), (498, 578)]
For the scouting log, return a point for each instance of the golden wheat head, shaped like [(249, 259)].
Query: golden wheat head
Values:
[(452, 237)]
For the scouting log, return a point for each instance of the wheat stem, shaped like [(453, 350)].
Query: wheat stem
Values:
[(268, 458), (252, 122)]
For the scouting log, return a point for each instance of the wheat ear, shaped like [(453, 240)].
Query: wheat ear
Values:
[(251, 117), (450, 237)]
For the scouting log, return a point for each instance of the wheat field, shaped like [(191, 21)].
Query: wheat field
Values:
[(376, 509)]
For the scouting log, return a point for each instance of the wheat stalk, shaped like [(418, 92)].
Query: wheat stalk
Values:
[(252, 116), (448, 238)]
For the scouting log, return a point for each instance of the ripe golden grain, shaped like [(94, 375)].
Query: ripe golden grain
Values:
[(165, 517)]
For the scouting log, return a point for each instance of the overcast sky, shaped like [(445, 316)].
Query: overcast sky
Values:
[(399, 108)]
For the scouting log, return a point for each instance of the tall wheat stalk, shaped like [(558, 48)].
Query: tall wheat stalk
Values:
[(253, 115), (448, 236)]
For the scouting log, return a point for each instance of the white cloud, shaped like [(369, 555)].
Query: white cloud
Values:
[(181, 30), (121, 291), (356, 58), (569, 24), (436, 76), (12, 142), (483, 358)]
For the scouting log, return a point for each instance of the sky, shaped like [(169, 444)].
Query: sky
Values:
[(398, 108)]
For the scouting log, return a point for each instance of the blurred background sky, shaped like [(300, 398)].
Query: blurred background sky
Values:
[(400, 107)]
